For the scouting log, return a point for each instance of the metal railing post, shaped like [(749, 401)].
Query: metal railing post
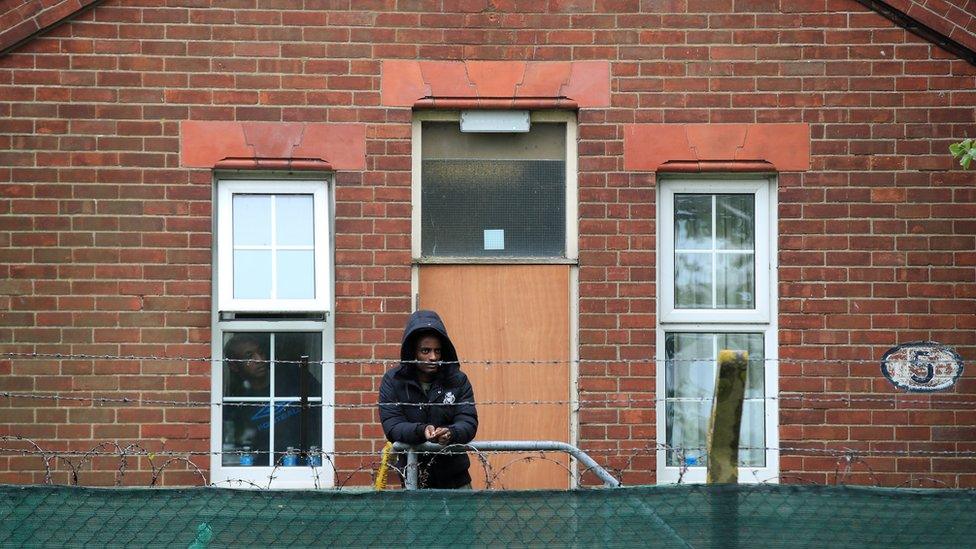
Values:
[(412, 466)]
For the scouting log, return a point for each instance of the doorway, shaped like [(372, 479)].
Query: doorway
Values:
[(495, 255)]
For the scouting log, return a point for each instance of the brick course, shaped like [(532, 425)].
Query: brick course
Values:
[(105, 237)]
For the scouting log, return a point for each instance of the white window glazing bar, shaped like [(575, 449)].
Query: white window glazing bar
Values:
[(714, 247)]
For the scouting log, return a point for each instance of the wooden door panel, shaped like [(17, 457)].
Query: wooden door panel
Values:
[(506, 313)]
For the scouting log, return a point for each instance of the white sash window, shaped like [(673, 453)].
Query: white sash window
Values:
[(716, 273), (271, 425)]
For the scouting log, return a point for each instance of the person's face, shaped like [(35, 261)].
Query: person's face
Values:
[(428, 353), (252, 363)]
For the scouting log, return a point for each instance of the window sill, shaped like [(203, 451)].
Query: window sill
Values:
[(285, 478)]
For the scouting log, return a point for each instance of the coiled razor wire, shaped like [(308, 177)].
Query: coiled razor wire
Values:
[(161, 460), (847, 458)]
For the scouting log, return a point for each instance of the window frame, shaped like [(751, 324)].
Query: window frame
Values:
[(280, 320), (571, 245), (762, 320), (571, 257), (226, 190)]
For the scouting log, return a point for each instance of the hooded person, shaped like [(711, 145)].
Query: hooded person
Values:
[(427, 398)]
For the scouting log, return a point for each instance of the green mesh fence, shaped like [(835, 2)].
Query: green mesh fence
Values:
[(665, 516)]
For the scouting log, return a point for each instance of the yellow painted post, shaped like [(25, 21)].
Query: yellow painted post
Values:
[(723, 427), (384, 470)]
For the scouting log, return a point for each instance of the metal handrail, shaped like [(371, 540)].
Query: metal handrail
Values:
[(411, 481)]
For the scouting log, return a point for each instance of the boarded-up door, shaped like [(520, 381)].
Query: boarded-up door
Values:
[(496, 314)]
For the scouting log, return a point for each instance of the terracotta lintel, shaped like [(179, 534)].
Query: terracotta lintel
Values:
[(496, 103), (784, 146), (205, 143), (413, 83), (276, 164), (706, 166)]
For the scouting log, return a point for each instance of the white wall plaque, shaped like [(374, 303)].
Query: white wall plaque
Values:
[(922, 366)]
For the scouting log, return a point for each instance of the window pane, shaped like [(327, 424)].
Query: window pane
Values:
[(736, 281), (252, 274), (734, 230), (522, 201), (247, 372), (293, 220), (245, 434), (289, 348), (252, 416), (687, 431), (252, 220), (687, 434), (296, 274), (693, 221), (690, 371), (752, 344), (288, 428), (693, 281), (735, 220), (752, 434)]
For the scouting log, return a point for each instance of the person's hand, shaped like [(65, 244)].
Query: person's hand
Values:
[(437, 434), (445, 438)]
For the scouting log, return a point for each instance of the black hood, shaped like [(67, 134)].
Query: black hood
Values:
[(420, 323)]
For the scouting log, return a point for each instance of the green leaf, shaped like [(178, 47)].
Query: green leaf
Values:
[(964, 151)]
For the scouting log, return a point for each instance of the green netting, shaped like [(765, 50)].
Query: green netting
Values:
[(664, 516)]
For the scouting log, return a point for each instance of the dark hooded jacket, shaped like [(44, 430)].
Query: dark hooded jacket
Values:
[(453, 400)]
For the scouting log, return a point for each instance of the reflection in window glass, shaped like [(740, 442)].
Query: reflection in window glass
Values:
[(693, 221), (693, 280), (253, 416), (735, 277), (690, 371), (714, 251), (735, 220)]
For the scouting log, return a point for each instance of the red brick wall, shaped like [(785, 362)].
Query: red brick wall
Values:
[(106, 238)]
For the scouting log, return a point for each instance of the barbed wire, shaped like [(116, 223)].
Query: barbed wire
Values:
[(903, 399), (486, 362), (160, 461), (139, 451)]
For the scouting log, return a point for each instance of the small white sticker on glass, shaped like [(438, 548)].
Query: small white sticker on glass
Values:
[(494, 239)]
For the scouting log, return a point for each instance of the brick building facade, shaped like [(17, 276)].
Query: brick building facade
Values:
[(121, 123)]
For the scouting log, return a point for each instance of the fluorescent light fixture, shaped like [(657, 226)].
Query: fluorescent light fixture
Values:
[(495, 121)]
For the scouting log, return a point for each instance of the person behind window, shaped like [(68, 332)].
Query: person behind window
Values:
[(247, 426), (428, 398), (247, 360)]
